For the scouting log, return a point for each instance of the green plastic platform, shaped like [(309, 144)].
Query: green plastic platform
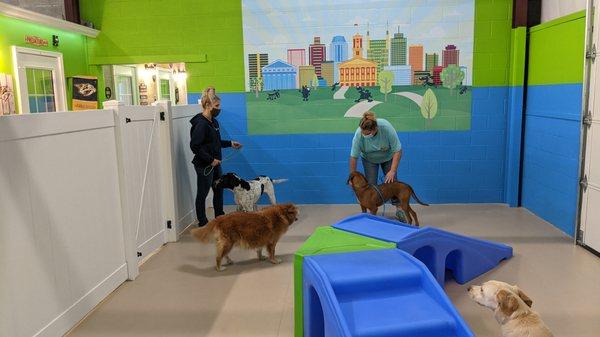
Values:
[(327, 240)]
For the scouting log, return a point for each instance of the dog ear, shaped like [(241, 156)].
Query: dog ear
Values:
[(524, 297), (507, 302)]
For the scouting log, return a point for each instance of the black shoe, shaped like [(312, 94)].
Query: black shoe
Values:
[(202, 223)]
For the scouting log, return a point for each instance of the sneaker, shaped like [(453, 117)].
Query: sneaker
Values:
[(401, 216)]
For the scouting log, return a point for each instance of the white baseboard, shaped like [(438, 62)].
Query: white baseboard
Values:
[(151, 245), (185, 221), (78, 310)]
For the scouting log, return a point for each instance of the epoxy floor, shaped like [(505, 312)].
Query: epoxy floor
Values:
[(178, 292)]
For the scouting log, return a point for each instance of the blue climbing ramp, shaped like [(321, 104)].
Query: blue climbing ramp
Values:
[(441, 251), (380, 293)]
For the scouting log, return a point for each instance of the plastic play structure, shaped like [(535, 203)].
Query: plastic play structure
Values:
[(351, 281)]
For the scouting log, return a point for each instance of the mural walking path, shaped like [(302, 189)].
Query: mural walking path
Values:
[(412, 96), (341, 92), (358, 109)]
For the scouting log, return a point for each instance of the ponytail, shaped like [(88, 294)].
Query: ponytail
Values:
[(209, 97), (368, 122)]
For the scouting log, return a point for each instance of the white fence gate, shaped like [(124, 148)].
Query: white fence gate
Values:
[(139, 145)]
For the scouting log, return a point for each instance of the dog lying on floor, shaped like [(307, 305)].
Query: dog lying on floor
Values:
[(512, 309), (371, 197), (247, 193), (250, 230)]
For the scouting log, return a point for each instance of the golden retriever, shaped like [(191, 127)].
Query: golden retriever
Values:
[(250, 230), (512, 309)]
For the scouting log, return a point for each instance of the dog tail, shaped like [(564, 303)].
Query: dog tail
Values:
[(278, 181), (414, 195), (203, 234)]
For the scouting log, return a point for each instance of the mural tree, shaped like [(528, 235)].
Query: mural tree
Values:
[(452, 76), (386, 78), (256, 85), (429, 105)]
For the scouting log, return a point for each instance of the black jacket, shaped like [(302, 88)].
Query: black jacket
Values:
[(206, 140)]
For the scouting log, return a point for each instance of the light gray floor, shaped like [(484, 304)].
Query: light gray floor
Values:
[(178, 292)]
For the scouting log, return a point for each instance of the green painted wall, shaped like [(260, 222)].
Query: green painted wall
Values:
[(72, 46), (207, 35), (552, 51), (518, 47), (491, 50)]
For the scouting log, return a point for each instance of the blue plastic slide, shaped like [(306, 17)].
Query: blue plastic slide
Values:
[(439, 250), (380, 293)]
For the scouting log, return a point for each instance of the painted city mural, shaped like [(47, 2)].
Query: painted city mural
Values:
[(316, 66)]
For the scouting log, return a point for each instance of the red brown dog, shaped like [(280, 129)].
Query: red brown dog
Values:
[(370, 197)]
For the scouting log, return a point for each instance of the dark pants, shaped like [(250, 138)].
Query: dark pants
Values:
[(372, 170), (204, 183)]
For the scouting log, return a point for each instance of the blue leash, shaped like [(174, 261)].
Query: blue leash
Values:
[(208, 170)]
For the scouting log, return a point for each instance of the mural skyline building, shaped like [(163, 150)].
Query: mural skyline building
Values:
[(415, 57), (279, 75), (296, 57), (398, 49), (338, 49), (450, 55), (327, 72), (255, 63), (431, 60), (317, 54), (305, 75), (357, 46), (378, 50)]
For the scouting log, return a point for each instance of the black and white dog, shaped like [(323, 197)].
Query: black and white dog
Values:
[(247, 193)]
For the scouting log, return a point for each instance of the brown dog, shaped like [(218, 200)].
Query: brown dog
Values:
[(370, 199), (250, 230)]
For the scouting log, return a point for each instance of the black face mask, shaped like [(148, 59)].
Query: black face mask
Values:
[(215, 112)]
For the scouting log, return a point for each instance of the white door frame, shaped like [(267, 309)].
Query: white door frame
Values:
[(126, 70), (591, 111), (20, 62)]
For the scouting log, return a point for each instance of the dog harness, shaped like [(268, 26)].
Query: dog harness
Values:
[(376, 188)]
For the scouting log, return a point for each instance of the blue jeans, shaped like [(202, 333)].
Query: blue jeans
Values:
[(372, 170)]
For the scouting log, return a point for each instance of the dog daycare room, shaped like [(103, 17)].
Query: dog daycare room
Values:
[(285, 168)]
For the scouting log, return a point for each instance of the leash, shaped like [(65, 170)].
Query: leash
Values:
[(380, 196), (208, 170)]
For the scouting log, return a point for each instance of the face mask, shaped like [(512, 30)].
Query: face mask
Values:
[(215, 112), (368, 136)]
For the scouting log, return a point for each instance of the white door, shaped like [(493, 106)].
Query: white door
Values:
[(125, 84), (40, 80), (590, 201), (140, 130), (166, 86)]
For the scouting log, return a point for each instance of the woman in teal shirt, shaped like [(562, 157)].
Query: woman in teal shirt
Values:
[(378, 145)]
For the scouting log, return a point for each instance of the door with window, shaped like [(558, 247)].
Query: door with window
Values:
[(40, 80), (125, 80), (166, 86)]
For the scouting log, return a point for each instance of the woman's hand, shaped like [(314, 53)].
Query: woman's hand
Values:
[(390, 177), (236, 145), (215, 163)]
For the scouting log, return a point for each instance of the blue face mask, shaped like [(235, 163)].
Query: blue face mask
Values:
[(368, 136)]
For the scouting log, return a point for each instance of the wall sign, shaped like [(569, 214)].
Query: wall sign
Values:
[(36, 41), (143, 89), (108, 92), (7, 97), (85, 93)]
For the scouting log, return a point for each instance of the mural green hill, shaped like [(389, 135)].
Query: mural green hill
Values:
[(289, 114)]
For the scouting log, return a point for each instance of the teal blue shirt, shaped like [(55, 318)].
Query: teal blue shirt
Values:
[(378, 149)]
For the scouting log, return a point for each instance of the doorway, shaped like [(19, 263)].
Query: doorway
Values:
[(40, 80)]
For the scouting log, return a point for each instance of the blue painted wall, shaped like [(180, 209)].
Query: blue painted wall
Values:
[(551, 153), (443, 167)]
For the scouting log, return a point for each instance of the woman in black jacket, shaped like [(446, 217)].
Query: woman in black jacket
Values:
[(206, 144)]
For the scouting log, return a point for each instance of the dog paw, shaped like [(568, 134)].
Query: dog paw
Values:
[(262, 258), (275, 260), (220, 268), (229, 262)]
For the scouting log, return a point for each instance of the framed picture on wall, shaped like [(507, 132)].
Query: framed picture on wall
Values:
[(7, 95)]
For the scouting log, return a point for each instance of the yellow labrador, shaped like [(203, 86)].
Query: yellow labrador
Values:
[(512, 309)]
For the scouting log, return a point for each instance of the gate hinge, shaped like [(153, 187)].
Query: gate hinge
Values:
[(587, 119), (169, 226), (127, 120), (579, 236), (591, 54), (139, 254), (162, 115), (584, 183)]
